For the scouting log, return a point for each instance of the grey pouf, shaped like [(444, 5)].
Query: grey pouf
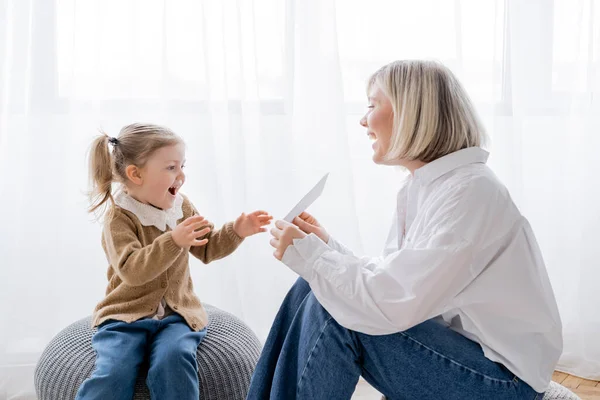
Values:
[(226, 359)]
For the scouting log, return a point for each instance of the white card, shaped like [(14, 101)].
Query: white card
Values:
[(307, 200)]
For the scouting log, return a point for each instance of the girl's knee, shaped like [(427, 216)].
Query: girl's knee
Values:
[(119, 374), (177, 352)]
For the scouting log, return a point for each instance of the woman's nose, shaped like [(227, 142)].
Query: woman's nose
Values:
[(363, 121)]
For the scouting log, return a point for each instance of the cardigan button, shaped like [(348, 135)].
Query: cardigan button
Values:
[(175, 307), (194, 326), (163, 285)]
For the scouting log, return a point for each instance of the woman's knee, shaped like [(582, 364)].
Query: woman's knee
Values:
[(315, 315), (315, 307), (299, 289)]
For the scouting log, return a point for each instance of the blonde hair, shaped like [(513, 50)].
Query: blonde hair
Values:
[(433, 115), (133, 146)]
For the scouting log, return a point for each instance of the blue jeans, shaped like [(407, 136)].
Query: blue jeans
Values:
[(121, 347), (308, 355)]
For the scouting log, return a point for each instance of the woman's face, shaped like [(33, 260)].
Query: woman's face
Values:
[(379, 121)]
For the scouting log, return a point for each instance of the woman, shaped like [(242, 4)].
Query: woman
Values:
[(458, 306)]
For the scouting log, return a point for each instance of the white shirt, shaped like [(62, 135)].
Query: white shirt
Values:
[(459, 249)]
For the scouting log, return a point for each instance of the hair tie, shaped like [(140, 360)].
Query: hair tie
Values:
[(113, 140)]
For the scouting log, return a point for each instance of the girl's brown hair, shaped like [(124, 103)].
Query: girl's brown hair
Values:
[(133, 146)]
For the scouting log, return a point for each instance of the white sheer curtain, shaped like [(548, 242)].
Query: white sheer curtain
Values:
[(267, 95)]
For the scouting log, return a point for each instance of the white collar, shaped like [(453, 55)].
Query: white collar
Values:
[(450, 162), (149, 215)]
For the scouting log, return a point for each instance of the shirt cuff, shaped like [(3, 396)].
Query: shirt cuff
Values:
[(301, 256), (337, 246)]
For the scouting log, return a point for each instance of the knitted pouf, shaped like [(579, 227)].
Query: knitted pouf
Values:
[(226, 360), (554, 392)]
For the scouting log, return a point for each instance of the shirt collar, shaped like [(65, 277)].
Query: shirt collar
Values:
[(149, 215), (433, 170)]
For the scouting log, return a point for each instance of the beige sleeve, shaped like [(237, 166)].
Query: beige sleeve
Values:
[(221, 243)]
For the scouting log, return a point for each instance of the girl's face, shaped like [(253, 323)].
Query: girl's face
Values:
[(158, 182), (379, 121)]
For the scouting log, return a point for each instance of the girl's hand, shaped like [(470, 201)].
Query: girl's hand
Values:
[(283, 235), (186, 234), (309, 225), (251, 224)]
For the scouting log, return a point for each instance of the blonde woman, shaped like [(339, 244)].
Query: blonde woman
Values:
[(458, 306)]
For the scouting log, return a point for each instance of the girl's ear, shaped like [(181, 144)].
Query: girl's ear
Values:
[(134, 174)]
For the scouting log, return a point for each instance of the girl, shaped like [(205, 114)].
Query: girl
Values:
[(150, 305)]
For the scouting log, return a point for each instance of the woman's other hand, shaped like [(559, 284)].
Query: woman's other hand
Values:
[(309, 224)]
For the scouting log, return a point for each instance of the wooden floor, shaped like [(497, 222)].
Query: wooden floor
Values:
[(586, 389)]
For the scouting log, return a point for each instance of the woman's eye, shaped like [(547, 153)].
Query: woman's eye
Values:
[(370, 106), (183, 166), (171, 168)]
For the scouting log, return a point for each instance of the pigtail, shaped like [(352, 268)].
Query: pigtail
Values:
[(101, 174)]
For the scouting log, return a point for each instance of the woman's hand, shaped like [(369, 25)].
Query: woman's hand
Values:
[(309, 225), (186, 234), (251, 224), (284, 234)]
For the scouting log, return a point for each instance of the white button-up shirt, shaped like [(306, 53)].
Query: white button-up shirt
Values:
[(459, 249)]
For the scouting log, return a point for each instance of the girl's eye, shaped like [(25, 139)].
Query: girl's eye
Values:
[(370, 106), (171, 168), (183, 166)]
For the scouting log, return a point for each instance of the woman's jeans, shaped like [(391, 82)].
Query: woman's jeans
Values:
[(308, 355)]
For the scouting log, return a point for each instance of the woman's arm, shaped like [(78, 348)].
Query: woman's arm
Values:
[(383, 295), (309, 224), (396, 292)]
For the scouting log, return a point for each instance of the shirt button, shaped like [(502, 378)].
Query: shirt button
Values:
[(163, 285)]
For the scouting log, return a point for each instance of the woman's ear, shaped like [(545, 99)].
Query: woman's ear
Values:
[(134, 174)]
